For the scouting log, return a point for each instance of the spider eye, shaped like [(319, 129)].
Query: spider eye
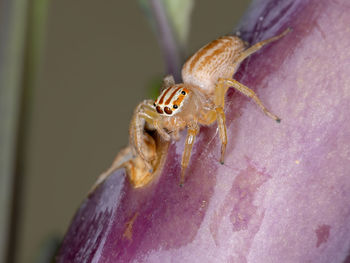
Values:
[(168, 110), (175, 106), (154, 104), (159, 110), (183, 92)]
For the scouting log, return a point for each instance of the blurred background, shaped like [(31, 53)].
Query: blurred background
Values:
[(71, 73)]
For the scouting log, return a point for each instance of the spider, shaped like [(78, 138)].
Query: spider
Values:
[(199, 100)]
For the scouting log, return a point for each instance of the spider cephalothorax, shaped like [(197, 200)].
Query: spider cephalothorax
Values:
[(171, 100)]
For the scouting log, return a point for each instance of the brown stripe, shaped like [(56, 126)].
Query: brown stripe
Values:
[(172, 95), (180, 98), (201, 52), (215, 53), (164, 93)]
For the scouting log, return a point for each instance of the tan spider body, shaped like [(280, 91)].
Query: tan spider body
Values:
[(199, 100)]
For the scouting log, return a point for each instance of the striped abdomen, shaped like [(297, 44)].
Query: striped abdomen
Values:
[(213, 61)]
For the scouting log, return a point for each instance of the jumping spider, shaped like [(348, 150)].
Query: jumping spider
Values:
[(199, 100)]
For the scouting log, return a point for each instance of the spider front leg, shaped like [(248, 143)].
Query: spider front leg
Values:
[(192, 131), (141, 142), (149, 114)]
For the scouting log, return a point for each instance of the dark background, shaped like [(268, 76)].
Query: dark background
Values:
[(99, 60)]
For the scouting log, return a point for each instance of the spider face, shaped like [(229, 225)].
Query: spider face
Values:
[(171, 100)]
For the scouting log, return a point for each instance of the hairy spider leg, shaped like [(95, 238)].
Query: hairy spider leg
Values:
[(220, 92), (192, 131), (138, 139), (254, 48), (224, 83), (153, 119), (250, 94), (149, 114)]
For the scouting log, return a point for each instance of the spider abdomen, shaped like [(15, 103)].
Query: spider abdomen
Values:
[(213, 61)]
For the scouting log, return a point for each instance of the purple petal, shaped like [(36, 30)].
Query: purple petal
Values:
[(283, 193)]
